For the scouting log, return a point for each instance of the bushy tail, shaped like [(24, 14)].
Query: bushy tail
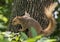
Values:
[(51, 27), (52, 23)]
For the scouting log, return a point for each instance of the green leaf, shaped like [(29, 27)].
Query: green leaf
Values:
[(23, 36), (33, 31), (1, 7), (34, 39), (51, 40), (7, 1), (3, 18), (2, 26), (1, 37)]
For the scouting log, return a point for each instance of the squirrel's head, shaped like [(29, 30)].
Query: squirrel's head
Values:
[(16, 20), (20, 19)]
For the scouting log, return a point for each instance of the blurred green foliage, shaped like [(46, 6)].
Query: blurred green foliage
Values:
[(16, 37), (5, 11)]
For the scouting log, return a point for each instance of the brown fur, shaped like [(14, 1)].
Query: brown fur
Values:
[(27, 22)]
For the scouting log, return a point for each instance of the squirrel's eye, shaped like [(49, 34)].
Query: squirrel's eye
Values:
[(14, 21)]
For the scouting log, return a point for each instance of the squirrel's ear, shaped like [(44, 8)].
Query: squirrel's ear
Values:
[(26, 14)]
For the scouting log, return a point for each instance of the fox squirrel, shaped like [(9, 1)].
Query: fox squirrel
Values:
[(38, 10), (26, 22)]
